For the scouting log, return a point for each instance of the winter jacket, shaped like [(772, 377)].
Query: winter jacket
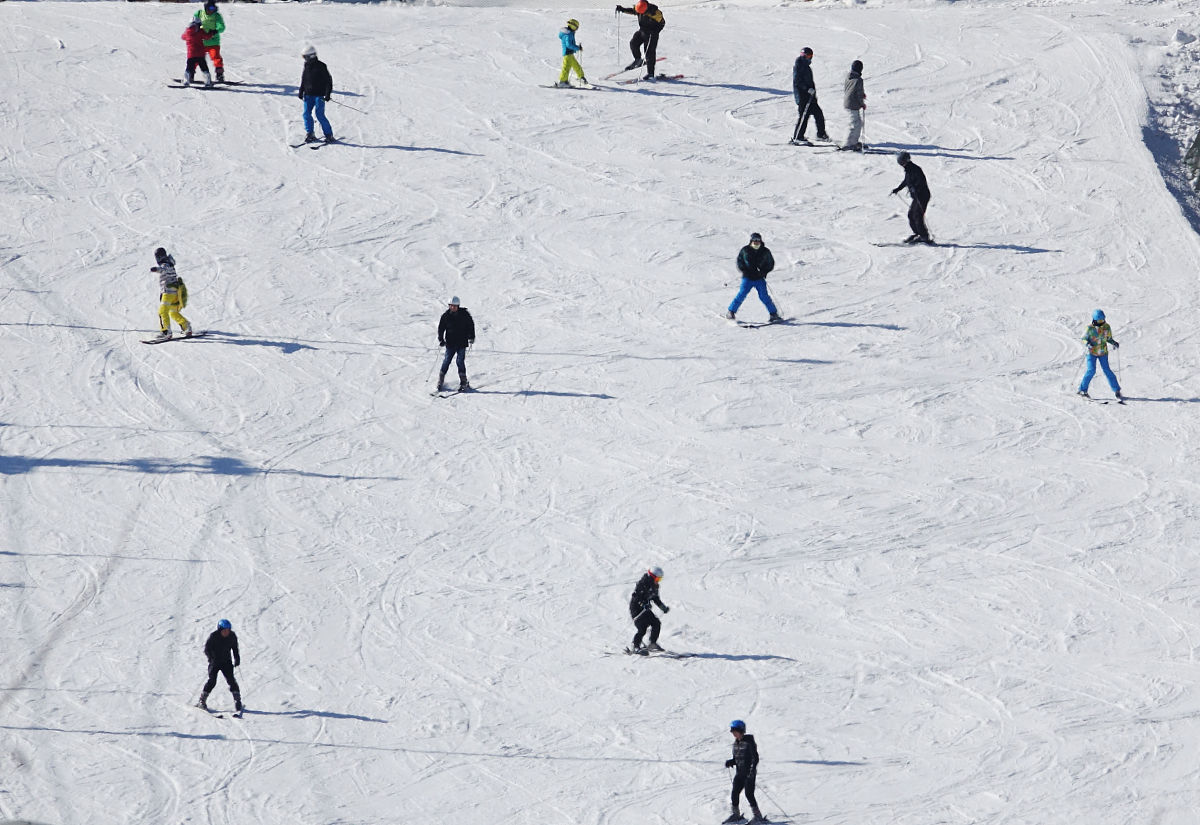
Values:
[(167, 277), (802, 81), (754, 264), (914, 180), (316, 80), (194, 38), (645, 594), (1098, 337), (651, 20), (745, 756), (569, 45), (212, 24), (856, 96), (456, 329), (222, 650)]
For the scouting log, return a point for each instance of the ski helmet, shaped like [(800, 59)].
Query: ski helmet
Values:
[(903, 158), (641, 7), (224, 624), (160, 254), (454, 301), (210, 6), (1098, 315), (806, 52), (737, 724), (656, 572), (754, 236), (573, 24), (856, 67), (310, 53)]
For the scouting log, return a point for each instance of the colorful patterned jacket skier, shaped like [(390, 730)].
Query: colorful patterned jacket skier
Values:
[(1097, 338)]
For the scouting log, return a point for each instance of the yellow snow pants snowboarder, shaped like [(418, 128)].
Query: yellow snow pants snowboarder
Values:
[(569, 62), (168, 310)]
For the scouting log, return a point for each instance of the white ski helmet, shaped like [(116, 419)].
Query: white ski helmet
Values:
[(656, 572), (454, 302), (310, 53)]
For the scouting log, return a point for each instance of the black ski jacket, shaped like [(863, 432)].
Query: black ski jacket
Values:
[(914, 179), (456, 329), (222, 650), (316, 80), (645, 594), (754, 264), (651, 20), (745, 756), (802, 81)]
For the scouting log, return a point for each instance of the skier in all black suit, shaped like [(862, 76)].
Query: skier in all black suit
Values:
[(745, 765), (804, 90), (223, 656), (918, 189), (644, 595), (650, 23)]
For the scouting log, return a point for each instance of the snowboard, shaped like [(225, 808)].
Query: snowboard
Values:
[(658, 654), (195, 335)]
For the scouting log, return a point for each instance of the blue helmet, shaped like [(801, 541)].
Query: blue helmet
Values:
[(737, 724), (224, 625), (1098, 315)]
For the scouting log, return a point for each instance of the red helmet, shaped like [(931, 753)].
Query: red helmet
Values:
[(641, 7)]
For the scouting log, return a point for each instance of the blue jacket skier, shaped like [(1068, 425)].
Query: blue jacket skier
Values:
[(1097, 337), (570, 52)]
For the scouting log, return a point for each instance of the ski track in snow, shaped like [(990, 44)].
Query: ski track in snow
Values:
[(939, 586)]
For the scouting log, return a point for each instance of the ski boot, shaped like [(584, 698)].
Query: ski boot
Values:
[(562, 84), (775, 318), (912, 238), (654, 647), (730, 315), (463, 386), (758, 818), (637, 64), (649, 77), (583, 81), (330, 139), (220, 75), (1082, 393), (165, 335), (187, 333), (202, 704), (238, 707), (1120, 398), (208, 82), (823, 136), (310, 138), (736, 816)]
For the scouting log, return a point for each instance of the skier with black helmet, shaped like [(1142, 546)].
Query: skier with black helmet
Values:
[(172, 297), (645, 594), (570, 55), (745, 765), (754, 261), (855, 102), (223, 656), (804, 90), (650, 23), (316, 89), (918, 190)]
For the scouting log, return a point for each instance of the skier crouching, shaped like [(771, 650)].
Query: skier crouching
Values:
[(745, 765), (644, 595)]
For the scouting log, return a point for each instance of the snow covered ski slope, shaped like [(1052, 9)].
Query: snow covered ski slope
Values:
[(937, 586)]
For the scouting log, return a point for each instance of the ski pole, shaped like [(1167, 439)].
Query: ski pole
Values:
[(347, 105), (618, 43), (435, 363), (803, 115), (786, 817)]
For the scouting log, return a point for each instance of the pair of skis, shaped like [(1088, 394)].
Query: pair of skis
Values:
[(657, 654)]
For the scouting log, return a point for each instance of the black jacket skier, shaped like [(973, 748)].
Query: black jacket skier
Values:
[(650, 23), (456, 332), (223, 656), (316, 80), (645, 594), (754, 264), (804, 90), (918, 190), (745, 765)]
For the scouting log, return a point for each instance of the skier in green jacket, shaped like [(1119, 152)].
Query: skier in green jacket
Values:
[(212, 24)]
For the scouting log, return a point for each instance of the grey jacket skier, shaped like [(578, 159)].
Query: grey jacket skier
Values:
[(855, 102)]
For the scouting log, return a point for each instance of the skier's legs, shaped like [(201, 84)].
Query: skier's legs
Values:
[(215, 53), (741, 296), (651, 51), (856, 124), (635, 45), (461, 360), (761, 286), (569, 62), (213, 670), (750, 792), (655, 626), (739, 782), (227, 672), (320, 110), (818, 116), (1108, 373), (641, 622), (309, 102), (446, 361), (916, 218), (1089, 373)]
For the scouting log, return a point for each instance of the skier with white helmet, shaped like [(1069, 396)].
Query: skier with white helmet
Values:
[(645, 594), (223, 656), (456, 332), (316, 89)]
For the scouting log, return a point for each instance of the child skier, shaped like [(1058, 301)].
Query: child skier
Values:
[(193, 35), (212, 24), (1098, 336), (745, 765), (754, 261), (221, 649), (569, 49), (172, 296), (855, 103), (644, 595)]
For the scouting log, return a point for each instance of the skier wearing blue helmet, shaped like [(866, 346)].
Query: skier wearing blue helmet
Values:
[(745, 765), (1097, 337), (223, 656)]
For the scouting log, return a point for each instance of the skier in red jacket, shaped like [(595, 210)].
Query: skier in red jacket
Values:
[(193, 35)]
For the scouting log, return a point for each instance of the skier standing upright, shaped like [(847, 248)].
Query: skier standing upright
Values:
[(456, 332), (212, 24), (754, 261), (855, 103), (650, 23), (1097, 337), (223, 656), (645, 594), (745, 765), (804, 90), (918, 190), (316, 88), (569, 51), (172, 295), (194, 37)]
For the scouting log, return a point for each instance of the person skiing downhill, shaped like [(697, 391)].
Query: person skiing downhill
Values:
[(456, 332), (645, 594), (194, 37), (650, 23), (172, 296), (804, 90), (754, 261), (212, 24), (855, 102), (918, 190), (1097, 337), (745, 765), (221, 649), (569, 51), (316, 89)]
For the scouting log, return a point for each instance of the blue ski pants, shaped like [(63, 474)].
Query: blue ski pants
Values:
[(1090, 373), (747, 285), (458, 354), (316, 102)]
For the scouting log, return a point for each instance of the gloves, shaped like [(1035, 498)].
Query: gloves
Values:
[(579, 48), (729, 763), (154, 269), (620, 9), (471, 343), (812, 92), (328, 98), (300, 95), (666, 609), (897, 189), (441, 343), (1115, 344)]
